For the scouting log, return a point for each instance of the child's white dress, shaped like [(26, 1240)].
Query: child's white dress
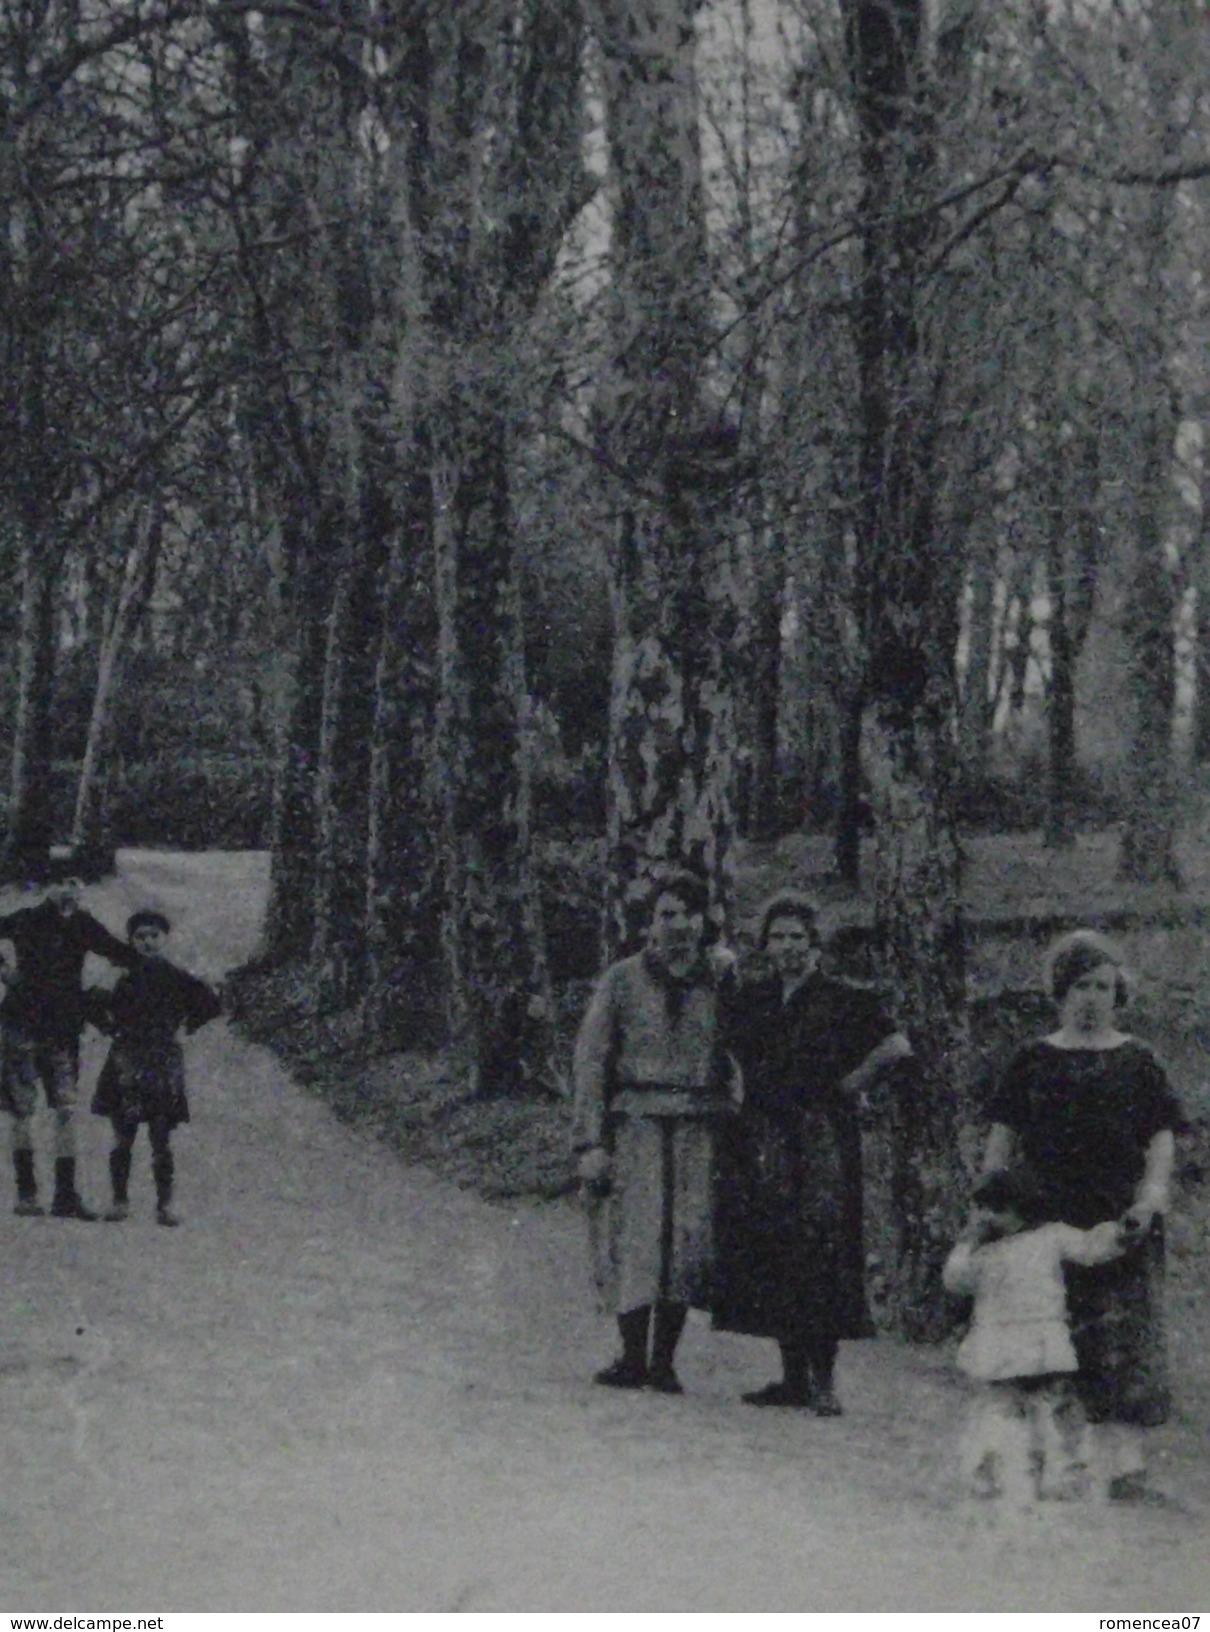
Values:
[(1027, 1435)]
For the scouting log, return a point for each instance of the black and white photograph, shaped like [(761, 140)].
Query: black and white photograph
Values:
[(605, 808)]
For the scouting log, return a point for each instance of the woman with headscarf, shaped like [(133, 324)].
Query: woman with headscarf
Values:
[(651, 1083), (1090, 1110), (790, 1257)]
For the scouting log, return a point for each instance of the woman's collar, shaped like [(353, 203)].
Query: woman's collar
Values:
[(1095, 1043)]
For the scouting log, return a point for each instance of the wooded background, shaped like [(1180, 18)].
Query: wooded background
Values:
[(485, 452)]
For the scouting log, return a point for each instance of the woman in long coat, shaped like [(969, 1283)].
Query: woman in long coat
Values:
[(1089, 1108), (651, 1084), (789, 1252)]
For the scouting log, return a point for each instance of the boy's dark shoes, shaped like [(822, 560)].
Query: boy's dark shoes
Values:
[(825, 1404), (118, 1213), (665, 1381), (29, 1207), (165, 1215), (622, 1374)]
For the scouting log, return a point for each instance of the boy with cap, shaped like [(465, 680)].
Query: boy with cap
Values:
[(43, 1012)]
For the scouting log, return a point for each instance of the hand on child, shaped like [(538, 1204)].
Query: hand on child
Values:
[(1136, 1224)]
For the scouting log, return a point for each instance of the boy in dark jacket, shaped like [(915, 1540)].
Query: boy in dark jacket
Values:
[(143, 1078), (42, 1014)]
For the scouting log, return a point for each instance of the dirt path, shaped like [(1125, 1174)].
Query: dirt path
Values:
[(342, 1385)]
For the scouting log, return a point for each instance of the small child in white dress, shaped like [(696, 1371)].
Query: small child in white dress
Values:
[(1026, 1436)]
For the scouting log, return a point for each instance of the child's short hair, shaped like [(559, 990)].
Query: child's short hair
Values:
[(146, 918), (1012, 1189)]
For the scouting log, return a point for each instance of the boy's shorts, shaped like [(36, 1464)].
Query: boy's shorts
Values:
[(28, 1061)]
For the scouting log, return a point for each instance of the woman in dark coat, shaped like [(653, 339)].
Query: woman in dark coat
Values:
[(789, 1253), (1090, 1109)]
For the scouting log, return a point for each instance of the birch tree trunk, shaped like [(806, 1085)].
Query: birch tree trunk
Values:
[(674, 591), (134, 591)]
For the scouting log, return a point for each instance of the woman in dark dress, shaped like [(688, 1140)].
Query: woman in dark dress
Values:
[(1090, 1109), (789, 1254)]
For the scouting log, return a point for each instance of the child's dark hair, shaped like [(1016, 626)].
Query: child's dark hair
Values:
[(1012, 1190), (689, 888), (147, 918)]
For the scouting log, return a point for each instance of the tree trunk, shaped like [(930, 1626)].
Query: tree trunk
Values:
[(1061, 708), (853, 815), (908, 594), (1201, 696), (494, 938), (496, 139), (1061, 701), (31, 819), (305, 597), (346, 720), (916, 881), (975, 719), (30, 502), (405, 997), (674, 591), (134, 591), (763, 813), (334, 750), (1148, 853)]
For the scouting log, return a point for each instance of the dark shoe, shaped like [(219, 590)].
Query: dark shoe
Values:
[(165, 1215), (72, 1206), (825, 1404), (29, 1207), (665, 1381), (1129, 1487), (118, 1213), (622, 1374), (779, 1394)]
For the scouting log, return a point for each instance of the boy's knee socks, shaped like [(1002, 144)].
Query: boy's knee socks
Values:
[(27, 1181), (119, 1174), (162, 1169)]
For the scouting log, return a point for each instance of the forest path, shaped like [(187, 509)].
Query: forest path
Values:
[(344, 1385)]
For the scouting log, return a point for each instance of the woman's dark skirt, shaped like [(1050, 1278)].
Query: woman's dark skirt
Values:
[(1117, 1326), (788, 1249)]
